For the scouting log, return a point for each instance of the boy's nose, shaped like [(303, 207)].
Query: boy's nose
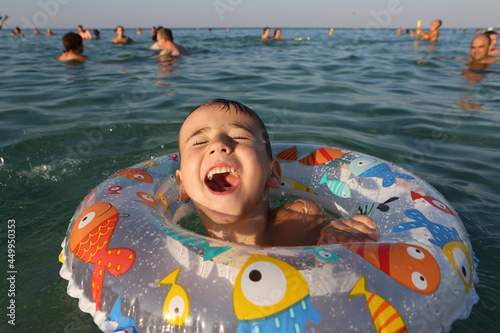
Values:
[(222, 145)]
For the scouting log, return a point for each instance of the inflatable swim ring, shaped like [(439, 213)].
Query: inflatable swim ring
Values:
[(134, 269)]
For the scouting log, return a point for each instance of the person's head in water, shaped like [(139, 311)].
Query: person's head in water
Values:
[(73, 42), (479, 47)]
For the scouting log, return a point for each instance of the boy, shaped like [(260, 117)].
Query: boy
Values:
[(73, 43), (227, 171)]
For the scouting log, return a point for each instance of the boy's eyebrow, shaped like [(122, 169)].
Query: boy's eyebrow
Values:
[(206, 129), (243, 127), (198, 132)]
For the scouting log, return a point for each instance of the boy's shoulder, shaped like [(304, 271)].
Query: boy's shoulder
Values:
[(296, 223)]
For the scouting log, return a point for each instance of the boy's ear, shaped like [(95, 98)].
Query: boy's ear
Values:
[(274, 178), (183, 196)]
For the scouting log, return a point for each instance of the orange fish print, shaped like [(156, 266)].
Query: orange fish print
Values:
[(385, 317), (136, 174), (410, 265), (320, 156), (89, 239)]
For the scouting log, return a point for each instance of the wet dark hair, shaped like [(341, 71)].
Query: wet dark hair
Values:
[(154, 38), (72, 41), (226, 105)]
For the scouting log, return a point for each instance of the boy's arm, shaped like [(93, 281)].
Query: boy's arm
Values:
[(360, 228), (303, 222)]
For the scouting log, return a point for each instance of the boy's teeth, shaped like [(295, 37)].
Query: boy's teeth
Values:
[(218, 170)]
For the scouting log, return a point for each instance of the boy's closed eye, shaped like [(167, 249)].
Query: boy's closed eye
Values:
[(199, 143), (240, 137)]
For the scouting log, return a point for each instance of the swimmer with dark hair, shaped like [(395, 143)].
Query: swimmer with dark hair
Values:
[(73, 43), (265, 35), (121, 38), (493, 40)]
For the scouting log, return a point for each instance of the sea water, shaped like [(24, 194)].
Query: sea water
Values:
[(64, 128)]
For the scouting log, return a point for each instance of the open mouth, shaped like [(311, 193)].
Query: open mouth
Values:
[(222, 179)]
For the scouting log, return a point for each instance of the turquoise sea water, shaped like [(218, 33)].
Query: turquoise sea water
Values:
[(64, 128)]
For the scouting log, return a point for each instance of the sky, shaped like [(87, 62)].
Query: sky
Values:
[(67, 14)]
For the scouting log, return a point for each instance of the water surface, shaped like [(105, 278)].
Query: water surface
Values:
[(64, 128)]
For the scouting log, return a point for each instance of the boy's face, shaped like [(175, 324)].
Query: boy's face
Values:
[(225, 169)]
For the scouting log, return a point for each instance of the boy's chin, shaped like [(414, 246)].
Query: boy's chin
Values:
[(218, 217), (222, 211)]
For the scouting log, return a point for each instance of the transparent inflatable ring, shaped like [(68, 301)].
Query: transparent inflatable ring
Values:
[(134, 269)]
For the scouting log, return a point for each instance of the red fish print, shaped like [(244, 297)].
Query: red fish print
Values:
[(410, 265), (320, 156), (136, 174), (433, 201), (89, 240)]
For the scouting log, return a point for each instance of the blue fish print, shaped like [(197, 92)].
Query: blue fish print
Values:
[(337, 187), (441, 235), (290, 320), (371, 167), (124, 323)]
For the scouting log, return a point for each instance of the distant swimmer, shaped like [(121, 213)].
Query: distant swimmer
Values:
[(166, 42), (49, 32), (479, 48), (330, 32), (36, 31), (17, 32), (266, 34), (2, 20), (121, 38), (139, 31), (154, 37), (431, 35), (84, 33), (73, 43), (277, 34), (493, 41)]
